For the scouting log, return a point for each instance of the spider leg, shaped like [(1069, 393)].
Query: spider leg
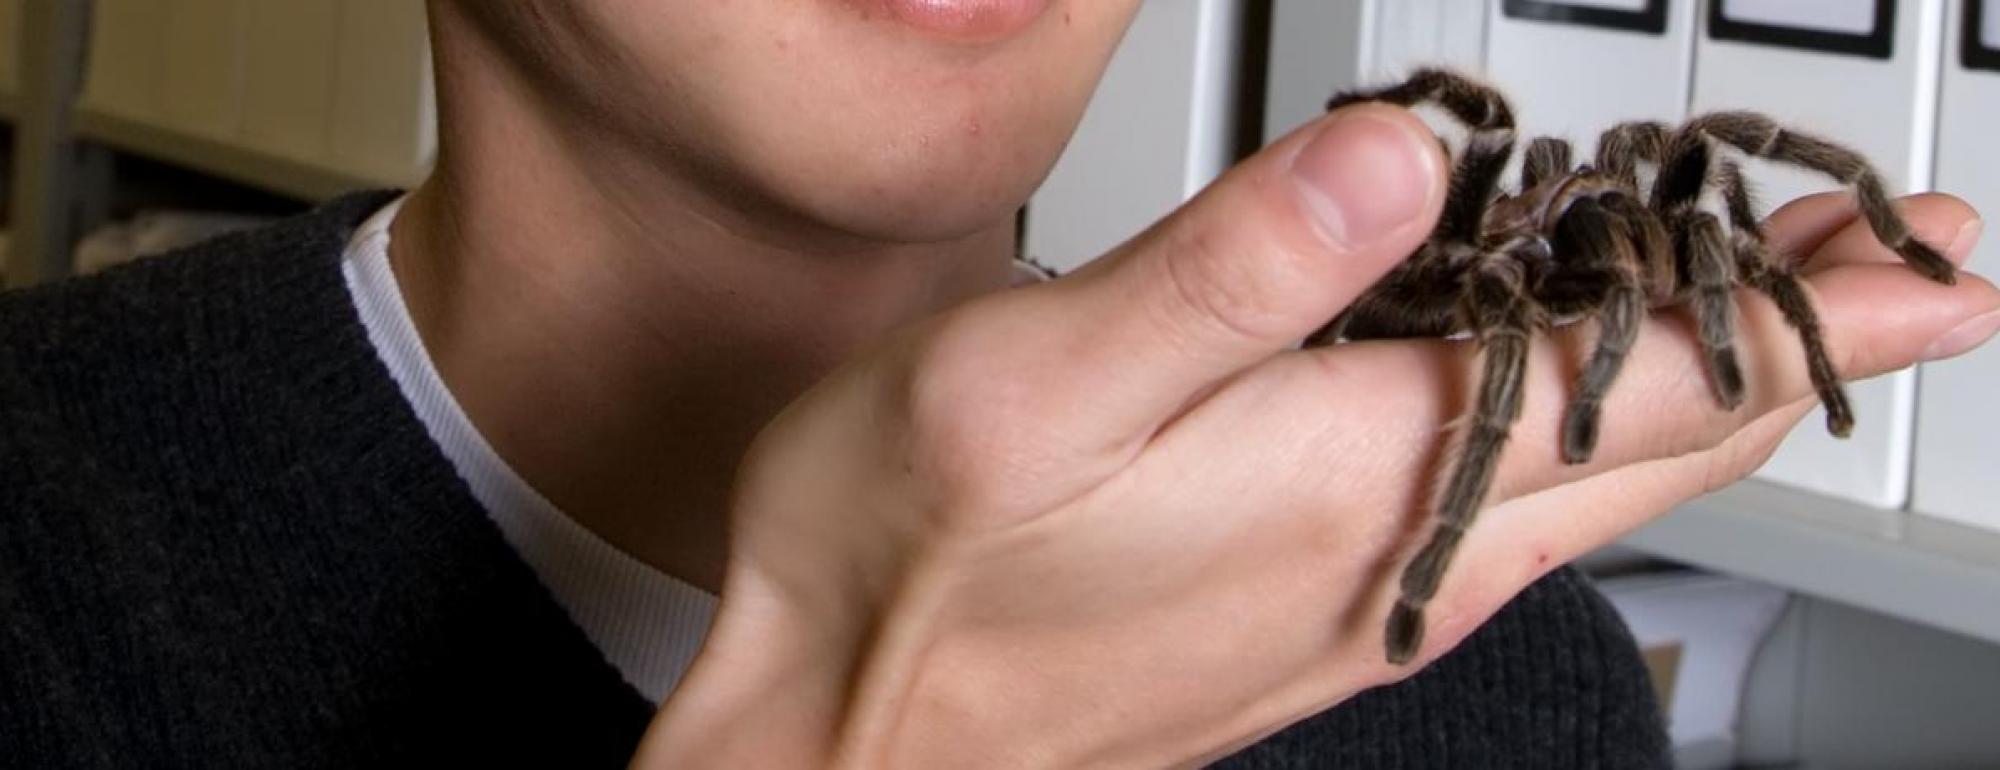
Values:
[(1418, 298), (1742, 206), (1600, 243), (1708, 276), (1778, 282), (1761, 137), (1486, 115), (1547, 158), (1497, 306), (1622, 147), (1770, 274), (1476, 105)]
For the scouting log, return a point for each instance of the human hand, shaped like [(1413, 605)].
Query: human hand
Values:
[(1118, 520)]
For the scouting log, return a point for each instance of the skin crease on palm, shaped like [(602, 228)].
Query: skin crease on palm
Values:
[(1112, 520)]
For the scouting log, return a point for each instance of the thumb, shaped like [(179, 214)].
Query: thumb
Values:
[(1263, 257)]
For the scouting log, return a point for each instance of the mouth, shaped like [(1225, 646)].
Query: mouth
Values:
[(970, 21)]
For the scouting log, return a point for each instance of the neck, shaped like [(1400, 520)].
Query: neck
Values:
[(618, 334)]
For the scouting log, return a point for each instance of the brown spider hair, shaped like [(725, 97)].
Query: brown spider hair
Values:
[(1589, 241)]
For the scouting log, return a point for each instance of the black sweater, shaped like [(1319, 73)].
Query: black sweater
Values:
[(226, 541)]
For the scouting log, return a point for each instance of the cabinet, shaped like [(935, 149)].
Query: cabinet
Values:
[(308, 97), (1958, 427), (10, 56), (1574, 69), (1863, 72)]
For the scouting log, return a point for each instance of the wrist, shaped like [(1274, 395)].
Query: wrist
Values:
[(786, 680), (792, 675)]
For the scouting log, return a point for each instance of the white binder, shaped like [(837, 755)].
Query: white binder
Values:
[(1958, 424), (1864, 72), (1576, 67)]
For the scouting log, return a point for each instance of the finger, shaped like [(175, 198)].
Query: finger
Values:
[(1878, 318), (1523, 539), (1799, 227), (1527, 537), (1939, 219), (1271, 251)]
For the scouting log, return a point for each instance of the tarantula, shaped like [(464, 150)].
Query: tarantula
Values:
[(1591, 241)]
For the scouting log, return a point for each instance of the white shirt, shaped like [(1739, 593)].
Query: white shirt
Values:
[(647, 623)]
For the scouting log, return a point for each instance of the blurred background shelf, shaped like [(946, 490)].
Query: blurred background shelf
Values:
[(306, 97), (301, 100), (234, 161), (1919, 569)]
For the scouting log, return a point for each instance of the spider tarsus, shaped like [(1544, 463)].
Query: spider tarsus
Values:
[(1783, 288), (1839, 416), (1405, 633), (1928, 262), (1348, 99), (1580, 432), (1728, 378)]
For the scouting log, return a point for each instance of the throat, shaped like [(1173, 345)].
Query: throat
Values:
[(623, 378)]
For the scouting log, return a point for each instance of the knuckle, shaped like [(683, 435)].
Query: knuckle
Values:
[(1732, 461), (1850, 361), (969, 419), (1719, 468), (1220, 285), (947, 394)]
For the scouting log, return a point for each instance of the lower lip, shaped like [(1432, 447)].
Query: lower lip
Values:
[(968, 20)]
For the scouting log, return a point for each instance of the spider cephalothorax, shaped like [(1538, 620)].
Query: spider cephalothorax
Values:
[(1593, 242)]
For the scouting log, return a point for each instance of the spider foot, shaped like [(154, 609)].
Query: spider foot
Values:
[(1350, 98), (1580, 432), (1406, 632), (1727, 377), (1839, 415), (1928, 262)]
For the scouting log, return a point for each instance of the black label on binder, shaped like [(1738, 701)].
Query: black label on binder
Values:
[(1980, 46), (1652, 19), (1878, 42)]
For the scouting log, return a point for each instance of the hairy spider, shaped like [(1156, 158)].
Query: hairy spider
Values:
[(1591, 241)]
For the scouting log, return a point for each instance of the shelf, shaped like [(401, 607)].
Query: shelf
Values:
[(1911, 567), (249, 166)]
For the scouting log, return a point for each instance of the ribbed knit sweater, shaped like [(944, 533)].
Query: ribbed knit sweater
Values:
[(227, 541)]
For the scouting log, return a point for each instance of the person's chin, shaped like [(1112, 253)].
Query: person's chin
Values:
[(913, 216)]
